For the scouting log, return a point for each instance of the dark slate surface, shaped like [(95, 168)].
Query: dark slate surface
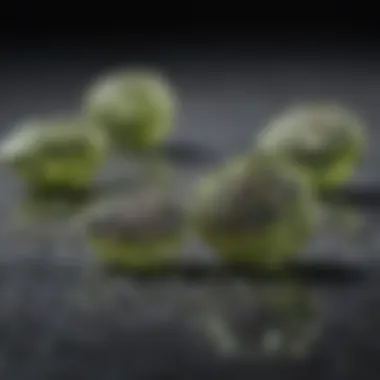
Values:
[(62, 319)]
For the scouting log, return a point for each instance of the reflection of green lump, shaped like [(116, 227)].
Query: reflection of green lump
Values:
[(140, 230), (344, 220), (255, 210), (295, 316), (35, 206), (60, 153), (290, 300), (136, 107), (325, 139)]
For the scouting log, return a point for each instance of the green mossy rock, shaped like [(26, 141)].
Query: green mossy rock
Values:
[(138, 231), (256, 209), (55, 153), (326, 140), (136, 108)]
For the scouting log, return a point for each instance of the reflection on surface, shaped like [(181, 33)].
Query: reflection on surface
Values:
[(293, 319), (347, 232), (39, 209), (344, 219), (264, 320)]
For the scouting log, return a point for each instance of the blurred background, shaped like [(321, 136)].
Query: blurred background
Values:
[(232, 75)]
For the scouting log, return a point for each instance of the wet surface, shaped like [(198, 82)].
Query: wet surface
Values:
[(65, 318)]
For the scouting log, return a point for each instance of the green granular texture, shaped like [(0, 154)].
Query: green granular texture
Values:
[(55, 153), (135, 107), (255, 210), (325, 140)]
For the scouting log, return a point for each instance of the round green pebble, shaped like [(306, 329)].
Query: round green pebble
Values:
[(255, 209), (136, 107), (325, 139), (137, 230), (55, 153)]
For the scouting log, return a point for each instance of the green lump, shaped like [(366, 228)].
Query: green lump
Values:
[(255, 209), (326, 140), (138, 230), (57, 153), (135, 107)]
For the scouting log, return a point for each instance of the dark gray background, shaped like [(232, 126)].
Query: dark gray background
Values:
[(62, 323)]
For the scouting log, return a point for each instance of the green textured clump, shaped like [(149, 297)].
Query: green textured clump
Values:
[(326, 140), (255, 209), (55, 153), (136, 108), (139, 230)]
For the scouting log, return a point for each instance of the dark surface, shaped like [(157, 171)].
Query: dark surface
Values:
[(62, 319)]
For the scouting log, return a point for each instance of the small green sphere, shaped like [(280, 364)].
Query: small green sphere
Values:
[(256, 209), (135, 107), (58, 153), (139, 230), (326, 140)]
